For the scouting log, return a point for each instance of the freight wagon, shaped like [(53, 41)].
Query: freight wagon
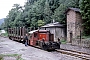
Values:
[(37, 38)]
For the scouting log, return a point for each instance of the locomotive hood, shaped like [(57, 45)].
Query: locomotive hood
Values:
[(32, 31)]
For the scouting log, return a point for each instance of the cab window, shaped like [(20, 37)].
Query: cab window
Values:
[(35, 34)]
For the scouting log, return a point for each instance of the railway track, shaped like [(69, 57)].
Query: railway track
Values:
[(84, 56)]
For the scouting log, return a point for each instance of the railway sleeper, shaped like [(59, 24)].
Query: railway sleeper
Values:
[(83, 56)]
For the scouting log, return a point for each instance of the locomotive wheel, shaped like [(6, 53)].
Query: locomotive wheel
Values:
[(44, 46), (12, 39)]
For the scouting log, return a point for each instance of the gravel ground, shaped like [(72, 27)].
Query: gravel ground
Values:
[(75, 48), (30, 53)]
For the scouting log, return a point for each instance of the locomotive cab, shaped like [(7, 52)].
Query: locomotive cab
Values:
[(33, 37)]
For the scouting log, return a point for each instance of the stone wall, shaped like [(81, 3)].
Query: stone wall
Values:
[(74, 22), (83, 43), (78, 24), (70, 24)]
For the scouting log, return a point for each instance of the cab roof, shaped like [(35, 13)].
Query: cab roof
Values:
[(37, 31)]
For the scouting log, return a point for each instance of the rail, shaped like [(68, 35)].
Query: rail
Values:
[(82, 55)]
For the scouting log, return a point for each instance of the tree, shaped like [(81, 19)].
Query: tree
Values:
[(59, 14), (47, 12), (85, 12), (14, 16), (37, 10), (53, 4), (40, 23)]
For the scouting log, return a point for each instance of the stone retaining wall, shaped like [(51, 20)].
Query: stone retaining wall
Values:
[(82, 43)]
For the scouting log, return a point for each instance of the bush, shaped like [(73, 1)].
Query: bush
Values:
[(63, 41), (17, 56), (4, 34), (85, 37)]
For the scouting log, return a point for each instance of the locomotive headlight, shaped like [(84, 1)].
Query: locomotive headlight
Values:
[(22, 40)]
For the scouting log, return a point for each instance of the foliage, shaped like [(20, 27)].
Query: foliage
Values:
[(63, 41), (40, 23), (17, 56), (4, 34), (85, 12), (85, 37), (36, 10), (47, 12)]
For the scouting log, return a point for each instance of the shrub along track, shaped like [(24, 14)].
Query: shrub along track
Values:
[(84, 56)]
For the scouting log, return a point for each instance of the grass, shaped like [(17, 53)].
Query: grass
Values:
[(63, 41), (85, 37), (4, 34), (1, 57), (17, 56)]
